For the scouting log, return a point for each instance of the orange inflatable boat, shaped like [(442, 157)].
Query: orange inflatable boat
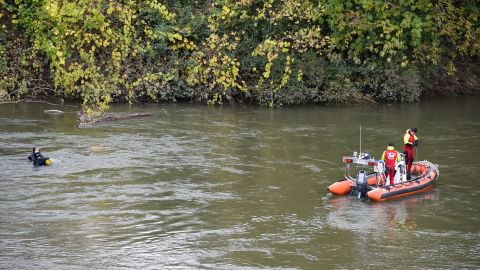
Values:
[(423, 174), (371, 184)]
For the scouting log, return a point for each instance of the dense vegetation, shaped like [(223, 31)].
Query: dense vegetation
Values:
[(266, 52)]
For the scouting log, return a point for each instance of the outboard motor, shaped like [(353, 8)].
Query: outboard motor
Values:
[(362, 183)]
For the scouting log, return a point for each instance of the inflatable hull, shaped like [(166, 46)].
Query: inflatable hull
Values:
[(344, 187), (424, 175)]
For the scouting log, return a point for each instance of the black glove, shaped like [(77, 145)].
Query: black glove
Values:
[(415, 143)]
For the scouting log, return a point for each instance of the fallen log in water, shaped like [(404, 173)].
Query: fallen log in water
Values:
[(84, 121), (53, 111)]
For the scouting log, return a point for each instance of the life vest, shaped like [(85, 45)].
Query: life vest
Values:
[(390, 156), (408, 138)]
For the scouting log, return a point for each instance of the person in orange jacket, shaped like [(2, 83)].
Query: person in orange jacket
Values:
[(390, 157), (410, 140)]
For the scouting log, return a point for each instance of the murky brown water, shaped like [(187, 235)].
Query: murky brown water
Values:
[(197, 187)]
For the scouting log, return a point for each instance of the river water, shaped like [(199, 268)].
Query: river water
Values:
[(198, 187)]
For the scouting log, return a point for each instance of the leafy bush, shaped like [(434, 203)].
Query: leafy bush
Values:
[(264, 52)]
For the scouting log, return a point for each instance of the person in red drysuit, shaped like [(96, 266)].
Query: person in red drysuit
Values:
[(410, 140), (390, 156)]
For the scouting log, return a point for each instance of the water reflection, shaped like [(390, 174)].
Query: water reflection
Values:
[(350, 213)]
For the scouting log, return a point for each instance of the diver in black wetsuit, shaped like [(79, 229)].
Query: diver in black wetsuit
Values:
[(38, 159)]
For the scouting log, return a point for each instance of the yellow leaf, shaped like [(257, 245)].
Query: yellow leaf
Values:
[(110, 10), (177, 36), (213, 61)]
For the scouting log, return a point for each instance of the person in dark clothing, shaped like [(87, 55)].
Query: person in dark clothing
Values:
[(38, 159)]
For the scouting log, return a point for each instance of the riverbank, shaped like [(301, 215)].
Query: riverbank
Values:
[(240, 52), (466, 84)]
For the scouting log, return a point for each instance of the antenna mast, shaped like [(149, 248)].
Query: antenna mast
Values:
[(360, 153)]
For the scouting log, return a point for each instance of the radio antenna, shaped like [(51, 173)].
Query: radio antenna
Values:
[(360, 153)]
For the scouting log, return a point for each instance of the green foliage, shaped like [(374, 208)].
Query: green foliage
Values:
[(266, 52)]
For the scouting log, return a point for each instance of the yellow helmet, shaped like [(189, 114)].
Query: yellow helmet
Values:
[(48, 162)]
